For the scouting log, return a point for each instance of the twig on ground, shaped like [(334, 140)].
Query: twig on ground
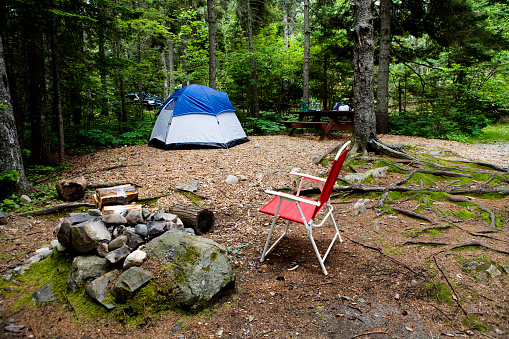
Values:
[(450, 286)]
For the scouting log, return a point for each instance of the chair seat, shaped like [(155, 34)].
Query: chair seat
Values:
[(288, 210)]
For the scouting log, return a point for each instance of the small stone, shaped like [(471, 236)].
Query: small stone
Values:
[(3, 218), (25, 199), (499, 331), (13, 328), (396, 296), (493, 271), (94, 212), (136, 258), (44, 252), (122, 159), (115, 219), (118, 254), (259, 176), (54, 243), (242, 177), (117, 243), (44, 294), (409, 329), (189, 230), (257, 146), (134, 217), (471, 265), (145, 213), (141, 229), (231, 179)]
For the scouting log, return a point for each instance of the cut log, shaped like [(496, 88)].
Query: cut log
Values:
[(71, 189), (201, 220), (118, 195)]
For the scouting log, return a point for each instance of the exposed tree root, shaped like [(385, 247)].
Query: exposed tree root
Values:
[(417, 242), (437, 227), (413, 214), (56, 208), (474, 242)]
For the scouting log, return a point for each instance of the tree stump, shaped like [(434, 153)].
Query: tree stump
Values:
[(199, 219), (71, 189)]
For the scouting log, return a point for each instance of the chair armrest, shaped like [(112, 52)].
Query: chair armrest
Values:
[(308, 177), (294, 198)]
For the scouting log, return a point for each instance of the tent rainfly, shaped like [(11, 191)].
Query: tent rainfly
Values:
[(197, 116)]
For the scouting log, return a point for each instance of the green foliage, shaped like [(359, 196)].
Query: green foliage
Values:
[(9, 176), (35, 172), (267, 124), (9, 204), (3, 107)]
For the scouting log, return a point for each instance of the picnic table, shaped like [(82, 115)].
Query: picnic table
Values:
[(338, 121)]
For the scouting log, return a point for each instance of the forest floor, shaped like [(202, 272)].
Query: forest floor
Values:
[(378, 286)]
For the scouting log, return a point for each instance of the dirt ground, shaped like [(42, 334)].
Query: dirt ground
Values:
[(376, 287)]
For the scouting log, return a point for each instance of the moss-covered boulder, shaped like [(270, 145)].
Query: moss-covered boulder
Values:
[(200, 268)]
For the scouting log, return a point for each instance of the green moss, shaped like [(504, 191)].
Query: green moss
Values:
[(206, 269), (441, 291), (213, 256), (465, 214)]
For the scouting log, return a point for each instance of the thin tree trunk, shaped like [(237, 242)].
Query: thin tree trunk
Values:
[(254, 76), (307, 42), (10, 152), (382, 106), (57, 88), (171, 65), (212, 43), (365, 121), (36, 66)]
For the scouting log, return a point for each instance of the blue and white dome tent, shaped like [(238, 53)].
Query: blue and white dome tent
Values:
[(197, 116)]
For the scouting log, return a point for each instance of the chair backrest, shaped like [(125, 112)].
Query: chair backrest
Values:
[(332, 177)]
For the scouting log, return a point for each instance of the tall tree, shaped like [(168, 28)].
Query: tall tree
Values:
[(307, 42), (255, 107), (365, 123), (382, 94), (212, 43), (10, 152)]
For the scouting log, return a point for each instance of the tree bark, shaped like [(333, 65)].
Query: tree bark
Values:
[(254, 76), (212, 43), (307, 42), (10, 152), (365, 122), (382, 94), (72, 189)]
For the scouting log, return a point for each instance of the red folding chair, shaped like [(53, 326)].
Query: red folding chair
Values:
[(304, 210)]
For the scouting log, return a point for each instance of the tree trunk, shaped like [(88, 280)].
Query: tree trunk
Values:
[(57, 88), (254, 76), (382, 95), (212, 43), (171, 65), (36, 67), (307, 42), (10, 152), (365, 122), (201, 220)]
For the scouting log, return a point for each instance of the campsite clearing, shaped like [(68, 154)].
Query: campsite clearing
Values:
[(366, 291)]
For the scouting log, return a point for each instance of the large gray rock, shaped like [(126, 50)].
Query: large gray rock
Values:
[(199, 267), (117, 243), (115, 219), (133, 239), (86, 236), (86, 268), (129, 282), (64, 230), (135, 259)]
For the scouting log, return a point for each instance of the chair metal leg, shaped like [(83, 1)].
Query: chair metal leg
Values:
[(276, 217)]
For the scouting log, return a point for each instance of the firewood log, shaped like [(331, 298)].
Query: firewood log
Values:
[(71, 189), (201, 220)]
